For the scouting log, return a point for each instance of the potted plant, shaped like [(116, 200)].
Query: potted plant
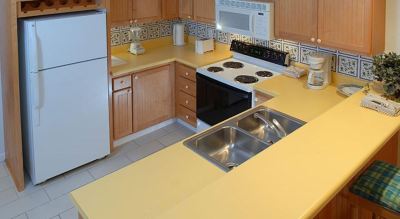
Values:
[(386, 72)]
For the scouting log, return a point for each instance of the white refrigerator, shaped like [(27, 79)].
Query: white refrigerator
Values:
[(64, 92)]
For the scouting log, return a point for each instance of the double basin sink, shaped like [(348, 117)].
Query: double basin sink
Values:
[(235, 141)]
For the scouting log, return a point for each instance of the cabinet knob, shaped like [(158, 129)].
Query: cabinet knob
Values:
[(129, 91), (189, 17), (135, 20), (136, 77), (122, 82), (187, 117), (187, 86), (187, 73), (187, 102), (313, 39), (319, 41)]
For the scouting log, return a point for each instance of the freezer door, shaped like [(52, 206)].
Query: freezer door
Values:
[(72, 127), (67, 39)]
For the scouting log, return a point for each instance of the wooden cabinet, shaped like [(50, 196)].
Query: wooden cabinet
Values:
[(204, 11), (297, 20), (352, 25), (146, 11), (186, 9), (170, 9), (186, 94), (154, 95), (121, 12), (122, 107)]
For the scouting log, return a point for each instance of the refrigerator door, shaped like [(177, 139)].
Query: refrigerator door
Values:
[(67, 39), (72, 127)]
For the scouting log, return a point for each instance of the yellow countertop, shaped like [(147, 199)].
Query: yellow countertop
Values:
[(294, 178), (148, 188), (298, 175), (160, 52)]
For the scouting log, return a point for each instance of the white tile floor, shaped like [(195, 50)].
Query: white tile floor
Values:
[(51, 200)]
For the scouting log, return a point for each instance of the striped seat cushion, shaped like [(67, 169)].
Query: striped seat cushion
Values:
[(380, 183)]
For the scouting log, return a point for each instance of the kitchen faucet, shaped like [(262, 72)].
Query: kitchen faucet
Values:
[(274, 125)]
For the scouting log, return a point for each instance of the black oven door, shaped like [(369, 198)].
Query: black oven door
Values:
[(217, 101)]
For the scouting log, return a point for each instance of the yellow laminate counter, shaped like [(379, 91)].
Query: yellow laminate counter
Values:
[(294, 178), (161, 52), (298, 175), (148, 188)]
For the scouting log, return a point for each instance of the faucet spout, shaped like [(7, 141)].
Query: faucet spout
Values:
[(274, 125)]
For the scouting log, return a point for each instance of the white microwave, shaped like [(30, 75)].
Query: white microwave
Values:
[(255, 19)]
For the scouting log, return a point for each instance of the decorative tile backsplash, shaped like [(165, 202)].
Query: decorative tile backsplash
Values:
[(345, 63)]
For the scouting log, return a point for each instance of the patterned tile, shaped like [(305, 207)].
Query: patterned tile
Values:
[(276, 44), (343, 62), (223, 37), (166, 29), (305, 52), (293, 50), (234, 36), (366, 70), (202, 31), (115, 38), (348, 65), (154, 31), (125, 37), (192, 28)]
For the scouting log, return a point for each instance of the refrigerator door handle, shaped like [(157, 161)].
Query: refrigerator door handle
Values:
[(33, 50), (35, 80)]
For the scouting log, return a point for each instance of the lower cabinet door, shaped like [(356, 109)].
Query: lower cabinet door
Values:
[(122, 109), (153, 100)]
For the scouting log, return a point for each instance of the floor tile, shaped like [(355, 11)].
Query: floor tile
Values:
[(108, 166), (145, 139), (56, 217), (24, 204), (22, 216), (51, 209), (170, 139), (8, 196), (70, 214), (29, 187), (66, 185), (3, 170), (144, 151), (6, 183), (123, 149), (173, 127)]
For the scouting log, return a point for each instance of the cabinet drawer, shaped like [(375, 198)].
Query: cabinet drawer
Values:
[(187, 116), (187, 101), (187, 86), (186, 72), (122, 83)]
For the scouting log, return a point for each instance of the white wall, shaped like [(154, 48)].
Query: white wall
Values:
[(393, 26), (2, 13)]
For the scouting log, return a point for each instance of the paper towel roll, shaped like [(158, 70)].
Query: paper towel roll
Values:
[(179, 34)]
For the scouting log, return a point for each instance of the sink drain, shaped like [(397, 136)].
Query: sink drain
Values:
[(231, 165)]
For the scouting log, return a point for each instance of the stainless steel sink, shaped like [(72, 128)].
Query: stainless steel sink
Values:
[(259, 126), (235, 141), (228, 147)]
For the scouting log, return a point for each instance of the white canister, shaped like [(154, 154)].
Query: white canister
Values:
[(179, 34)]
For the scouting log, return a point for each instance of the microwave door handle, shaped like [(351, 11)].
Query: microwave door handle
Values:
[(253, 23)]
